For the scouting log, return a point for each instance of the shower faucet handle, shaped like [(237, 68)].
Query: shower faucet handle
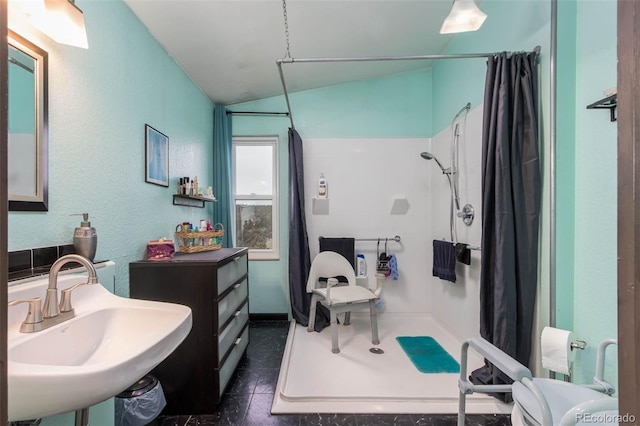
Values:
[(467, 214)]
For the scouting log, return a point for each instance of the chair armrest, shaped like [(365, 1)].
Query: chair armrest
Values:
[(504, 362), (330, 283)]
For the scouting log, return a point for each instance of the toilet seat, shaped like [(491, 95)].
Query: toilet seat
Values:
[(561, 397)]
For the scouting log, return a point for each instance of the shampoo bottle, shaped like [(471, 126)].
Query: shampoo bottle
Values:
[(361, 266), (322, 186)]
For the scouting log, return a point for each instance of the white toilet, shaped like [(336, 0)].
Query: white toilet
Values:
[(561, 397)]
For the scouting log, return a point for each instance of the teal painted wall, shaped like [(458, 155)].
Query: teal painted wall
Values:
[(565, 162), (510, 26), (595, 286), (395, 106), (99, 102)]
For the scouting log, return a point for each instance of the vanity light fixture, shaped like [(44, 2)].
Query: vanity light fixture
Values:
[(61, 20), (464, 16)]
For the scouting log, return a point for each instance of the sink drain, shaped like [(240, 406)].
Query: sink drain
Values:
[(376, 351)]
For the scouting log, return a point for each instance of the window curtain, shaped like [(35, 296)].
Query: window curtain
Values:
[(511, 189), (299, 257), (222, 146)]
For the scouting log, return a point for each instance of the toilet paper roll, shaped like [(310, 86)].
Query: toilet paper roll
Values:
[(556, 350)]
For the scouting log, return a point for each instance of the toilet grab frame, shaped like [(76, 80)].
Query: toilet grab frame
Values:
[(520, 373)]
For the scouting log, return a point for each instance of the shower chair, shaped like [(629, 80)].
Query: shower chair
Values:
[(540, 401), (338, 298)]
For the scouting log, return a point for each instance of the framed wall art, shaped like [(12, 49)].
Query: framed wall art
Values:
[(157, 157)]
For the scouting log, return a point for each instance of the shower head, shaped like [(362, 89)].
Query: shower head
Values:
[(430, 156), (446, 172), (426, 155)]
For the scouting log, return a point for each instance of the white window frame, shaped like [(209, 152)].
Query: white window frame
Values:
[(274, 252)]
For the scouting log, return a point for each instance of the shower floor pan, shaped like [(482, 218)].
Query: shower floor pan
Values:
[(314, 380)]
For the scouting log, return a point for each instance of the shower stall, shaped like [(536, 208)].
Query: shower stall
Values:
[(417, 304)]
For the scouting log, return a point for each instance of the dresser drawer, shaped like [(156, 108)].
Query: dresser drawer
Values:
[(240, 344), (232, 301), (231, 272), (229, 335)]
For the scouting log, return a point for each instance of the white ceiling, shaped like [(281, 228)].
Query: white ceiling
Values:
[(230, 47)]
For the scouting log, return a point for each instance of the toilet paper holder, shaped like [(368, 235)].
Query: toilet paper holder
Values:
[(578, 344)]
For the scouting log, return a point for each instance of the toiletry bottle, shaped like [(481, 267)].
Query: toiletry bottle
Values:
[(322, 187), (203, 228), (185, 228), (361, 266), (198, 240), (191, 242), (85, 239), (195, 186)]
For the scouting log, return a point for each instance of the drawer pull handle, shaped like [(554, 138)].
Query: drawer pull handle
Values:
[(237, 286), (236, 259), (237, 313), (238, 340)]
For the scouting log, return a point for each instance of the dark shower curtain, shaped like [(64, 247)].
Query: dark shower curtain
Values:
[(299, 258), (511, 188)]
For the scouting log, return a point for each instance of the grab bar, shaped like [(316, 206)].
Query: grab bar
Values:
[(468, 246), (396, 239)]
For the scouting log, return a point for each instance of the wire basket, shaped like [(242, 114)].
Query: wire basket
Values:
[(194, 242)]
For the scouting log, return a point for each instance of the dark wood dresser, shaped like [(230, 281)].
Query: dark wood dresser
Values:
[(215, 286)]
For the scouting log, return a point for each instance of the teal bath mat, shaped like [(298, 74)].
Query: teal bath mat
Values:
[(427, 355)]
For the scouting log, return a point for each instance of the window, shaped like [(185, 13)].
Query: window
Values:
[(255, 196)]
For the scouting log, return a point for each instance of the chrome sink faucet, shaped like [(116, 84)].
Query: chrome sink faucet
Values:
[(51, 307), (53, 313)]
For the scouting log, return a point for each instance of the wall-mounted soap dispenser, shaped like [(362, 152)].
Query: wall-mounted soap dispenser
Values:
[(85, 239)]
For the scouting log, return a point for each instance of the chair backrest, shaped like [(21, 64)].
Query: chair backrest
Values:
[(329, 264)]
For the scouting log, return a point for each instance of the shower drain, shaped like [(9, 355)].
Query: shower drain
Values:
[(376, 351)]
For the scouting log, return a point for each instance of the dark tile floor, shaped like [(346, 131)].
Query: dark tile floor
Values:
[(247, 401)]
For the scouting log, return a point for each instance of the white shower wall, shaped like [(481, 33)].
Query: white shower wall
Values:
[(457, 305), (364, 177)]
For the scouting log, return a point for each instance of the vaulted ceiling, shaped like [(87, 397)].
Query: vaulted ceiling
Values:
[(230, 47)]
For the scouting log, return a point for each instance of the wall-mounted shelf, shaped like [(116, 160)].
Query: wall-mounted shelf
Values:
[(320, 206), (610, 103), (190, 200)]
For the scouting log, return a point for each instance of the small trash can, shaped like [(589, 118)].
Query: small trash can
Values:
[(140, 403)]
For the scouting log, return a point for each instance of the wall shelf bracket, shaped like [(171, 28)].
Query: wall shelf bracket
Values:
[(190, 200), (610, 103)]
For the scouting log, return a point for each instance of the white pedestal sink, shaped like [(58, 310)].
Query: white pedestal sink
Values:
[(110, 344)]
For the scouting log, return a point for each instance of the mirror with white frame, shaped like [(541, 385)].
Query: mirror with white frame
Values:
[(27, 125)]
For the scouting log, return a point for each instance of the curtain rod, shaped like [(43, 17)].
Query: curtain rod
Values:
[(397, 239), (289, 60), (256, 113), (384, 58)]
